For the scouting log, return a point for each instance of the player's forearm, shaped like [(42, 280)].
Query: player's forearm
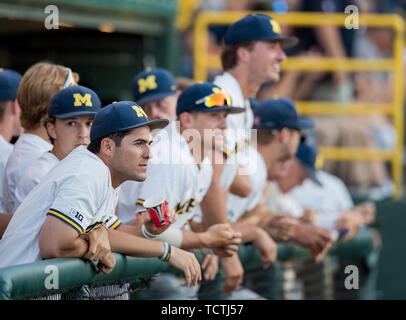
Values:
[(130, 229), (214, 206), (256, 216), (134, 246), (248, 233), (194, 240), (214, 203)]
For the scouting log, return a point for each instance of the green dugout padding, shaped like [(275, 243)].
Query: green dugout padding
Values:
[(40, 278), (391, 220), (36, 279)]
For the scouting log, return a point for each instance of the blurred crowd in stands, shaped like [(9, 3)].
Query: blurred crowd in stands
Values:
[(371, 179)]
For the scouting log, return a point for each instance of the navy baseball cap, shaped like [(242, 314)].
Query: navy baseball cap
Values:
[(203, 97), (9, 82), (74, 101), (122, 116), (257, 27), (152, 85), (307, 155), (278, 114)]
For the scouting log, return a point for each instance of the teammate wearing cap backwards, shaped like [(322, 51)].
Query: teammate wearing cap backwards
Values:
[(278, 135), (78, 197), (318, 197), (70, 116), (181, 171), (37, 87), (9, 125), (252, 55)]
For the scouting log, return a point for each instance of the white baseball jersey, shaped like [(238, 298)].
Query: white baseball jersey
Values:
[(34, 174), (173, 174), (127, 201), (238, 126), (28, 148), (77, 191), (237, 206), (332, 195), (281, 203), (285, 203), (6, 148)]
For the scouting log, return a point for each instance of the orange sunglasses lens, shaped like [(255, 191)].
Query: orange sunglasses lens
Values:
[(218, 100)]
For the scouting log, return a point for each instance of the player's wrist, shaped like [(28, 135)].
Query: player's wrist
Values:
[(205, 239), (166, 255)]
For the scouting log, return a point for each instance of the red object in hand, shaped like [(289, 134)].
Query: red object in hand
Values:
[(314, 251), (157, 209)]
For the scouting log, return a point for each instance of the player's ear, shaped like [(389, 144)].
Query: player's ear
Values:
[(243, 54), (186, 120), (15, 107), (283, 135), (107, 146), (50, 127)]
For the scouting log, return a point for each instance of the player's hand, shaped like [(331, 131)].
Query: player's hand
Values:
[(149, 224), (308, 216), (266, 247), (222, 235), (186, 262), (99, 244), (351, 223), (280, 227), (319, 256), (210, 266), (312, 237), (106, 264), (367, 210), (233, 272), (99, 249)]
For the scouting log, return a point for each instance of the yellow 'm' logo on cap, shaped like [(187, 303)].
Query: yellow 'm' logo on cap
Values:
[(139, 111), (80, 100), (275, 26), (149, 83)]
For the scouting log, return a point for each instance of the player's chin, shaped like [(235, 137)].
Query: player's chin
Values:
[(139, 177), (274, 76), (142, 172)]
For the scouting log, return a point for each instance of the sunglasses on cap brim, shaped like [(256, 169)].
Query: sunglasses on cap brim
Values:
[(219, 99)]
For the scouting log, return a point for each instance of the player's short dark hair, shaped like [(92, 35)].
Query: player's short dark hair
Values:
[(117, 137), (229, 57), (265, 136), (3, 107)]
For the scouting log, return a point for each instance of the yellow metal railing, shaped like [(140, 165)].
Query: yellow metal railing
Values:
[(203, 62)]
